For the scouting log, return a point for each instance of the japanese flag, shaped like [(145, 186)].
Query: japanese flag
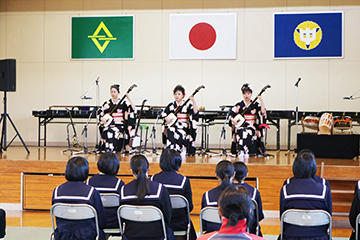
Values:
[(202, 36)]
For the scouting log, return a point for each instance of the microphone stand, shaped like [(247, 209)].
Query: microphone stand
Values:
[(223, 136), (153, 133), (84, 132)]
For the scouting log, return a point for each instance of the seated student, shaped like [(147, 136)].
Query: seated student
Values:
[(235, 207), (316, 177), (76, 191), (224, 172), (355, 210), (170, 162), (241, 172), (305, 193), (2, 223), (107, 182), (143, 191)]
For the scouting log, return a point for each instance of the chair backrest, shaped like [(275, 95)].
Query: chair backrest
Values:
[(357, 227), (256, 208), (209, 214), (140, 214), (306, 218), (178, 202), (110, 199), (73, 212)]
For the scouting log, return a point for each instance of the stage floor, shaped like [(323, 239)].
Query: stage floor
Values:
[(279, 158)]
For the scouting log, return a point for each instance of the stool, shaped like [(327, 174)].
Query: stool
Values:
[(146, 128)]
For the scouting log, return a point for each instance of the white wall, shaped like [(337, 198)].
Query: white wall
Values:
[(37, 34)]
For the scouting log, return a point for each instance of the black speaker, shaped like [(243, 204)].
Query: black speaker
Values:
[(8, 75)]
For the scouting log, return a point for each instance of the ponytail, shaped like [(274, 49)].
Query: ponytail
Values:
[(235, 204), (224, 171), (139, 165)]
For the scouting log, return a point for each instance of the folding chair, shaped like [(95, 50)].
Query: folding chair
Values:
[(73, 212), (256, 208), (209, 214), (110, 200), (357, 227), (306, 218), (178, 202), (140, 214)]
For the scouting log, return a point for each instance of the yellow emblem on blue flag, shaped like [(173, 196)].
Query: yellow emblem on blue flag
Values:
[(307, 35)]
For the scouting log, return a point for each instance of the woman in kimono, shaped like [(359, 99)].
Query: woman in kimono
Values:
[(245, 136), (77, 192), (116, 135), (182, 134)]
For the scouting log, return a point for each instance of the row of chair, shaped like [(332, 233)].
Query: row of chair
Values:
[(150, 213)]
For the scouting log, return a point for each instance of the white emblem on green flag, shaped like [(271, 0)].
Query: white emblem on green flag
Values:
[(102, 37)]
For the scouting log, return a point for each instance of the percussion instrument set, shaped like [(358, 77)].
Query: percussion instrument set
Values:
[(327, 124)]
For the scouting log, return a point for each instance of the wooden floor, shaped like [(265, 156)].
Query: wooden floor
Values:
[(51, 160)]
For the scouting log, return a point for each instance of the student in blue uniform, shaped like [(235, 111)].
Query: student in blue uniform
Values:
[(143, 191), (170, 162), (355, 210), (76, 191), (316, 177), (235, 206), (305, 193), (2, 223), (241, 172), (224, 172), (107, 182)]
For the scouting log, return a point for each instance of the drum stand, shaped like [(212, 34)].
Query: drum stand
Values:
[(223, 136)]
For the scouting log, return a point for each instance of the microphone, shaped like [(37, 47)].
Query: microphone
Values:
[(297, 83), (86, 97), (348, 98)]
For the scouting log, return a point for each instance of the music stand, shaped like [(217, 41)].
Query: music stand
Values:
[(5, 116), (223, 135), (153, 133)]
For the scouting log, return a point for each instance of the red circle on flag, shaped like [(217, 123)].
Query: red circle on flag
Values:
[(202, 36)]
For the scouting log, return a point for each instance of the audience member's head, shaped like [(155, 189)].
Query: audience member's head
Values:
[(224, 172), (235, 204), (108, 163), (304, 165), (139, 166), (241, 171), (77, 169), (170, 160)]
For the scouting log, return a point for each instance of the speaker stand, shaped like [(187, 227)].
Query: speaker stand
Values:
[(4, 117)]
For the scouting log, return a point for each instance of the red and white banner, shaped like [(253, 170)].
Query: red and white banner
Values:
[(202, 36)]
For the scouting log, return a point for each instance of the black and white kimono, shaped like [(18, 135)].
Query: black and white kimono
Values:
[(248, 136), (183, 133), (113, 136)]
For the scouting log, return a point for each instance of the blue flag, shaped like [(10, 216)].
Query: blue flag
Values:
[(308, 35)]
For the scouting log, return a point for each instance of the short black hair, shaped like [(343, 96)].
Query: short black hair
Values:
[(108, 163), (179, 88), (304, 165), (241, 170), (170, 160), (77, 169), (235, 204), (224, 170), (246, 88), (116, 86)]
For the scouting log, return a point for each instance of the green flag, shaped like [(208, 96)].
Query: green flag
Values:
[(102, 37)]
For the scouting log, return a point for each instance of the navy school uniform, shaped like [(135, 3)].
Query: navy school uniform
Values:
[(355, 209), (180, 185), (305, 194), (316, 178), (107, 184), (77, 192), (209, 199), (255, 195), (158, 197)]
